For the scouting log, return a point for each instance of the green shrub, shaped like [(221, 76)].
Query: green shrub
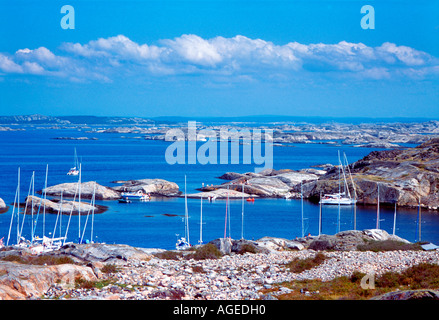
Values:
[(387, 245), (299, 265), (207, 251), (169, 255), (247, 248), (109, 268), (39, 260)]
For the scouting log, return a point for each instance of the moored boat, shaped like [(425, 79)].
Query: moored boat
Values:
[(127, 197)]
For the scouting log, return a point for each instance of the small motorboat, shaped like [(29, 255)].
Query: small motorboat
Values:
[(127, 197), (73, 172)]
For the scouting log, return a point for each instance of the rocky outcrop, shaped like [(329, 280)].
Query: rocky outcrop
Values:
[(65, 207), (422, 294), (347, 240), (220, 194), (70, 189), (23, 281), (117, 254), (155, 187), (403, 176), (268, 183)]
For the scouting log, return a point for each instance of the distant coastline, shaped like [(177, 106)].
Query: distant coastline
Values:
[(133, 120)]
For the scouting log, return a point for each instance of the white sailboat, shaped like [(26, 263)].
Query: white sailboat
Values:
[(201, 221), (340, 198), (74, 170), (183, 243)]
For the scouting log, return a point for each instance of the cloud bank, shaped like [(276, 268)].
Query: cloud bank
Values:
[(108, 59)]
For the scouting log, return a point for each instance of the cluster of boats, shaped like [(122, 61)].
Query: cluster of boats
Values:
[(42, 244)]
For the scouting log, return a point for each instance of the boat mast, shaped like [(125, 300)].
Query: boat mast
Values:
[(93, 213), (32, 207), (419, 222), (301, 197), (25, 208), (79, 202), (13, 209), (242, 213), (378, 207), (186, 214), (394, 219), (339, 193), (45, 197), (230, 217), (57, 217), (225, 220), (320, 216), (201, 220)]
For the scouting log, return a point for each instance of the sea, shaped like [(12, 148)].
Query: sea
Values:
[(160, 222)]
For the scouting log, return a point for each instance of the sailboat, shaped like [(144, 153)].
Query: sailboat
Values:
[(340, 198), (74, 170), (183, 243)]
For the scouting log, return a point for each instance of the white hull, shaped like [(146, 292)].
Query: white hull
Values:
[(336, 199), (343, 201)]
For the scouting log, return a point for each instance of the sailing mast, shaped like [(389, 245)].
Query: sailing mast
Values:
[(201, 220), (339, 193), (186, 214), (418, 222), (394, 220), (242, 213), (45, 197), (378, 208), (301, 197), (320, 216), (92, 203), (225, 220), (25, 209), (16, 200), (79, 202)]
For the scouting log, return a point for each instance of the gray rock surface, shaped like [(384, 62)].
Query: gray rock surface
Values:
[(155, 187), (66, 207), (70, 189)]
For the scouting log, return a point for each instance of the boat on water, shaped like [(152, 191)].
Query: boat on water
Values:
[(337, 198), (74, 171), (341, 198), (128, 197)]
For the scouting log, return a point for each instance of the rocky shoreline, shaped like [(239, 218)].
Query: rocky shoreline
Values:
[(128, 273)]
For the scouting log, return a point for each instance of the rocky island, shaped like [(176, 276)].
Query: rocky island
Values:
[(406, 177)]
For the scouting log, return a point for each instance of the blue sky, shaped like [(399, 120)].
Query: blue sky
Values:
[(220, 58)]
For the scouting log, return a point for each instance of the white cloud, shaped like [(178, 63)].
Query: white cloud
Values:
[(239, 57), (9, 66)]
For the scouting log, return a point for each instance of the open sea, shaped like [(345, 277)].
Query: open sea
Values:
[(156, 224)]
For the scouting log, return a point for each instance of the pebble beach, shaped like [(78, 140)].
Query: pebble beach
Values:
[(235, 277)]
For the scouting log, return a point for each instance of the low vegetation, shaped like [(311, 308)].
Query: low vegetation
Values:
[(421, 276), (207, 251), (298, 265), (387, 245), (38, 260)]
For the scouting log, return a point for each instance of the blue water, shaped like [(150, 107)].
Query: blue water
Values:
[(145, 224)]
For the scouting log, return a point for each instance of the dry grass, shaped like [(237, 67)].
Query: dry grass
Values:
[(422, 276)]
